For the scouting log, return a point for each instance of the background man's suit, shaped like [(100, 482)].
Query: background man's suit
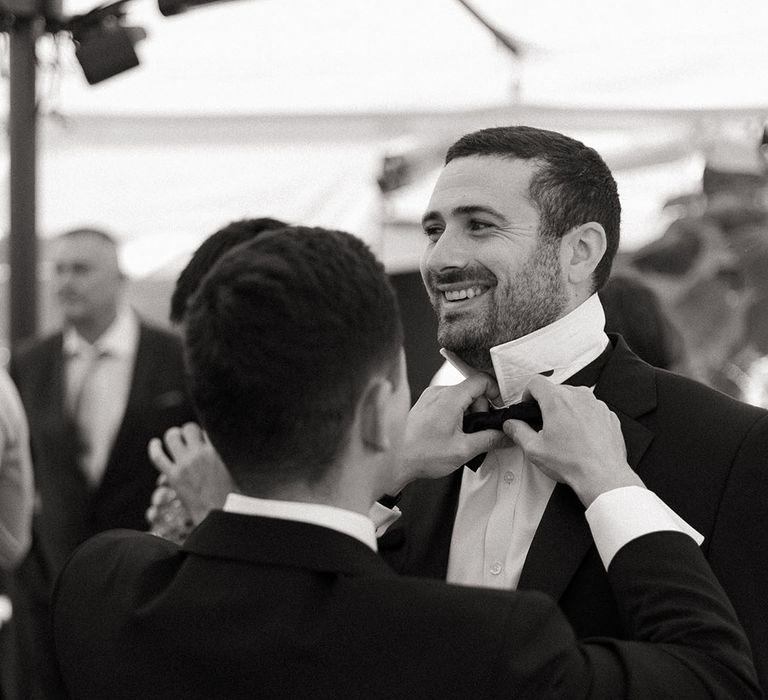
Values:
[(703, 453), (69, 511), (270, 608)]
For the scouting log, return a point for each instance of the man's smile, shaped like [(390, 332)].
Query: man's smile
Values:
[(462, 292)]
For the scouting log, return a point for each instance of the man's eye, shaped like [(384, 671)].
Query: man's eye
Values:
[(433, 232), (478, 225)]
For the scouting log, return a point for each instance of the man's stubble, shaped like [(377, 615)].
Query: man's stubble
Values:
[(534, 298)]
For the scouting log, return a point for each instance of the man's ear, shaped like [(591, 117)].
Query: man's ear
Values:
[(373, 414), (583, 248)]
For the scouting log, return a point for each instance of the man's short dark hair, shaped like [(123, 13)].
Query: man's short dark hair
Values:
[(572, 186), (281, 339), (98, 233), (210, 250)]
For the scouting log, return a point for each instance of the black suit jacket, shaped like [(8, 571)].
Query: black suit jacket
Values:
[(69, 510), (704, 453), (266, 608)]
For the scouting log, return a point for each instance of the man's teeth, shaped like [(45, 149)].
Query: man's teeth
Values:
[(457, 295)]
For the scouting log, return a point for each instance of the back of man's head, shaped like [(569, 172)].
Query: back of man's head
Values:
[(209, 251), (573, 185), (282, 338)]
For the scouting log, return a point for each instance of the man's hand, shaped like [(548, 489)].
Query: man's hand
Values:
[(580, 443), (167, 516), (193, 469), (435, 444), (491, 398)]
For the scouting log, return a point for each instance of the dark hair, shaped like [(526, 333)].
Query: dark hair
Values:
[(281, 339), (572, 186), (209, 251), (635, 311)]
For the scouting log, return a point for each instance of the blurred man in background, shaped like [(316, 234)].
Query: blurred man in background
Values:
[(95, 393)]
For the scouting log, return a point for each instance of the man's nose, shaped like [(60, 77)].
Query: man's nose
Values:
[(64, 279), (451, 250)]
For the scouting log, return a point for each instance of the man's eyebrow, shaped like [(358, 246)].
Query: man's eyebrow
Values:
[(468, 209), (465, 210), (428, 216)]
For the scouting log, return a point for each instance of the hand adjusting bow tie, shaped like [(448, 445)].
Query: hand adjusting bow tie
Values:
[(528, 411)]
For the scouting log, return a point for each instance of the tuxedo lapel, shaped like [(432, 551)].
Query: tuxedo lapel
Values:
[(63, 495), (560, 543), (140, 388), (145, 380), (627, 385), (54, 421), (420, 542)]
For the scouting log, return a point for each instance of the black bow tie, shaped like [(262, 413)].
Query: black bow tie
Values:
[(529, 410)]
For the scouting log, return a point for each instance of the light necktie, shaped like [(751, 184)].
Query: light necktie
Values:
[(85, 407)]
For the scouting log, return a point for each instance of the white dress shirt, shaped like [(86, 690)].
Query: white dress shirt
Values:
[(501, 505), (98, 382), (345, 521)]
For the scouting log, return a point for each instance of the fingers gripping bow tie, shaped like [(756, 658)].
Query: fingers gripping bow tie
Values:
[(528, 411)]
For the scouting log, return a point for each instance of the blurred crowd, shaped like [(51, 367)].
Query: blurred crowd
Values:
[(707, 276)]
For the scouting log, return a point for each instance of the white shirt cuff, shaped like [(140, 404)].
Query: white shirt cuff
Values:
[(383, 517), (619, 516)]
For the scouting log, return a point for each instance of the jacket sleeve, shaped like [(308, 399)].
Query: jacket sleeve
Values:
[(738, 550), (684, 640)]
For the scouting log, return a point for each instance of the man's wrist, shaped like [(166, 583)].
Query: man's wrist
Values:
[(608, 480), (407, 473)]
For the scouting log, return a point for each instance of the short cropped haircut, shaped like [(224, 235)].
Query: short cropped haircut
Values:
[(572, 186), (281, 339), (209, 251), (88, 232)]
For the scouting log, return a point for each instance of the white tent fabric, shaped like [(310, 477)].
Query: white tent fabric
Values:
[(162, 192), (253, 56)]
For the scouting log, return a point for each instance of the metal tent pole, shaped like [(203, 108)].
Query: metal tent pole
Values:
[(23, 188)]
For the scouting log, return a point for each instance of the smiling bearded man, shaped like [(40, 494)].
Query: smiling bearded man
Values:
[(522, 228), (476, 312)]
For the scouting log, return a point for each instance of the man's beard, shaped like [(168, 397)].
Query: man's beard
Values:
[(534, 299)]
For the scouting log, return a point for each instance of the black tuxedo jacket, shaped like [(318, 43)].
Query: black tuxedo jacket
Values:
[(265, 608), (704, 453), (69, 510)]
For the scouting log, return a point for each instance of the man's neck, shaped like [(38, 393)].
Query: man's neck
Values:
[(92, 329), (337, 518), (335, 495), (566, 345), (557, 350)]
